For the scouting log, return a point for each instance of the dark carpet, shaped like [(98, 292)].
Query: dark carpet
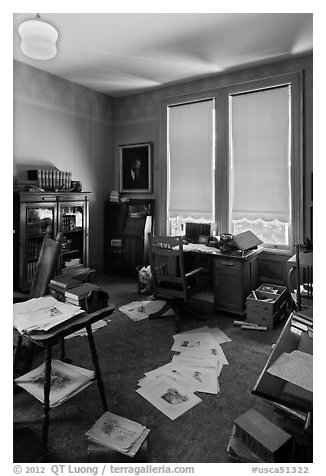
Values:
[(126, 350)]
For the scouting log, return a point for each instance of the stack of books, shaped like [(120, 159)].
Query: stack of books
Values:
[(66, 381), (51, 179), (303, 319), (77, 295), (255, 439), (113, 432), (60, 284), (114, 196), (72, 263)]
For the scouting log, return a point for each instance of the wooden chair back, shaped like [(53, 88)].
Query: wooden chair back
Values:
[(167, 267), (46, 264)]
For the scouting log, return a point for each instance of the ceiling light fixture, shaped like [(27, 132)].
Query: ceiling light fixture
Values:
[(38, 38)]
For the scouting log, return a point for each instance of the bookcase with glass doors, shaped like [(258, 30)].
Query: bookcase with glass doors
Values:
[(67, 212)]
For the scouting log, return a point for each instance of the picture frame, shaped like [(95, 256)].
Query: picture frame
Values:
[(136, 168)]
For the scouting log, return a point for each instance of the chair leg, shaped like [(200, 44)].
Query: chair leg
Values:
[(63, 352)]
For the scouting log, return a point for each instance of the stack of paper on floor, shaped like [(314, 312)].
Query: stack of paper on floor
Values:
[(66, 380), (118, 433), (42, 314), (138, 310), (196, 368)]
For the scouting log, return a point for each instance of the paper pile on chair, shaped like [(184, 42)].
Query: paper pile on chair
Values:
[(139, 310), (171, 388), (118, 433)]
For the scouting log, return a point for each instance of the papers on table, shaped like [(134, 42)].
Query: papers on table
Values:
[(66, 380), (295, 367), (139, 310), (42, 314), (195, 368), (118, 433)]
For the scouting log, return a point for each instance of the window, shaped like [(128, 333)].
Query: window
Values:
[(236, 160), (190, 170), (260, 164)]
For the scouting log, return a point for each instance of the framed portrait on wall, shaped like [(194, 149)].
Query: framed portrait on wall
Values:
[(136, 167)]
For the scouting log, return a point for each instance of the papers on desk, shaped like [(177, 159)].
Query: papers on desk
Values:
[(295, 367), (42, 314), (66, 380), (195, 368), (118, 433)]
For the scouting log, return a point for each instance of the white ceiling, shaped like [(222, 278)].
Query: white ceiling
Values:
[(124, 53)]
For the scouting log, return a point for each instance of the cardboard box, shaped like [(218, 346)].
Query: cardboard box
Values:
[(269, 307)]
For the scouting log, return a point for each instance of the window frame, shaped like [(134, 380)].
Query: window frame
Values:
[(296, 156), (221, 96)]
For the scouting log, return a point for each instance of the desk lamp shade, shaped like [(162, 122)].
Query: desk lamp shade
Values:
[(38, 39)]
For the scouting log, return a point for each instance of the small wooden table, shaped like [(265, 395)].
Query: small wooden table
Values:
[(51, 338)]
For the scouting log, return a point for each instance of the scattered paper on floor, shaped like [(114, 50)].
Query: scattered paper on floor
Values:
[(139, 310)]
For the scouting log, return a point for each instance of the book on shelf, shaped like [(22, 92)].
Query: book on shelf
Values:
[(118, 433), (72, 263), (66, 381)]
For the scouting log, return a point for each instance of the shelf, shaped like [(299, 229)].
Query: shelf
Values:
[(69, 252), (75, 230)]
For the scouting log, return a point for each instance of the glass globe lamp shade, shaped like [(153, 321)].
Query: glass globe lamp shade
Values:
[(38, 39)]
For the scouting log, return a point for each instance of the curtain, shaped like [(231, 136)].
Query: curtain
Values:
[(260, 155), (191, 160)]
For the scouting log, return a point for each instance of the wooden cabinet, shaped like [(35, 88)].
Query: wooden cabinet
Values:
[(64, 211), (126, 228), (234, 279)]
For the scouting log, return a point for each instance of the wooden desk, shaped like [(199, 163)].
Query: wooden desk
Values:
[(235, 275), (48, 339)]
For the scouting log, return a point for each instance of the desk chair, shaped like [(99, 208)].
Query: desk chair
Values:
[(45, 269), (170, 281)]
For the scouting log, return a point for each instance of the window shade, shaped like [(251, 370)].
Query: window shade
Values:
[(190, 160), (260, 155)]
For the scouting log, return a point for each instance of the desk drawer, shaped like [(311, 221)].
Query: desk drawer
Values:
[(227, 263)]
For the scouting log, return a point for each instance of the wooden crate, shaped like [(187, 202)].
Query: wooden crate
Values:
[(269, 442), (269, 307)]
